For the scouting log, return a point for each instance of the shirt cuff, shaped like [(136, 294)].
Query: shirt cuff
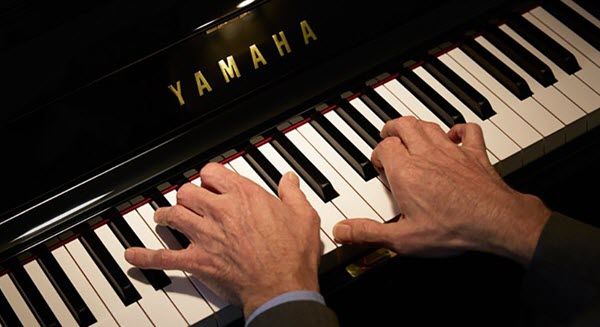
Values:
[(284, 298)]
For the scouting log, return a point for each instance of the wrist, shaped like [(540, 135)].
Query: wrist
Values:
[(519, 227), (257, 298)]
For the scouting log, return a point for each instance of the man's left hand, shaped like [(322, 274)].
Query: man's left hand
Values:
[(247, 245)]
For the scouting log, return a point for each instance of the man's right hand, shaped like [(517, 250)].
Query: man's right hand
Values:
[(451, 197)]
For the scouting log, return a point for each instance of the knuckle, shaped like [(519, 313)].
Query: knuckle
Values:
[(313, 215), (389, 143), (241, 185), (310, 215), (185, 192), (209, 169), (474, 127), (431, 127), (160, 214), (162, 257), (407, 122)]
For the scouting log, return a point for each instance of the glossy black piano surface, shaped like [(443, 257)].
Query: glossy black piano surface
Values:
[(108, 104)]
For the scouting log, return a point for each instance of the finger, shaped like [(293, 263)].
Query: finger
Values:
[(363, 231), (197, 199), (216, 177), (289, 191), (388, 153), (436, 134), (157, 259), (177, 217), (470, 135), (409, 131)]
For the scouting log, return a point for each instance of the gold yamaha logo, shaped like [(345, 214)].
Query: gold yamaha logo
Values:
[(229, 68)]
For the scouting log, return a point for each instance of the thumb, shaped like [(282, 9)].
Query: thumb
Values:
[(289, 190), (363, 231)]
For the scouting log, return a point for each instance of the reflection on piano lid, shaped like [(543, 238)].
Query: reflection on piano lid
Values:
[(293, 92)]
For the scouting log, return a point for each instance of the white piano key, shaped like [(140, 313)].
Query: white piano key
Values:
[(571, 86), (567, 34), (411, 102), (181, 291), (498, 143), (85, 289), (328, 244), (155, 303), (589, 73), (215, 302), (171, 196), (529, 109), (49, 293), (348, 201), (582, 12), (329, 214), (243, 168), (373, 191), (197, 181), (169, 242), (393, 101), (16, 302), (367, 112), (506, 119), (349, 133), (131, 315), (555, 103), (491, 157)]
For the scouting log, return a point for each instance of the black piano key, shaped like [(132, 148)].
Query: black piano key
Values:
[(378, 105), (305, 168), (7, 314), (159, 201), (65, 289), (109, 268), (359, 123), (521, 56), (499, 70), (32, 296), (545, 44), (583, 27), (157, 278), (344, 147), (591, 6), (431, 99), (460, 88), (263, 167)]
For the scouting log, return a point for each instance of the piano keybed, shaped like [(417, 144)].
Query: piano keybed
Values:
[(532, 83)]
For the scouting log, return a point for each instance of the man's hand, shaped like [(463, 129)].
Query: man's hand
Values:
[(450, 195), (246, 245)]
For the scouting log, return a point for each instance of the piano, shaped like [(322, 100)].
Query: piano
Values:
[(109, 107)]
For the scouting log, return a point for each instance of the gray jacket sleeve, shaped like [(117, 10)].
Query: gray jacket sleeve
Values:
[(297, 314), (562, 283)]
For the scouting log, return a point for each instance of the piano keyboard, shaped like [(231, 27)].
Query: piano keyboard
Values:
[(532, 84)]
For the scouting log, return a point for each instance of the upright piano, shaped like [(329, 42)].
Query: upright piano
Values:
[(108, 107)]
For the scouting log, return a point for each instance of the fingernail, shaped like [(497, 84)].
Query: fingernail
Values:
[(292, 177), (129, 254), (341, 232)]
